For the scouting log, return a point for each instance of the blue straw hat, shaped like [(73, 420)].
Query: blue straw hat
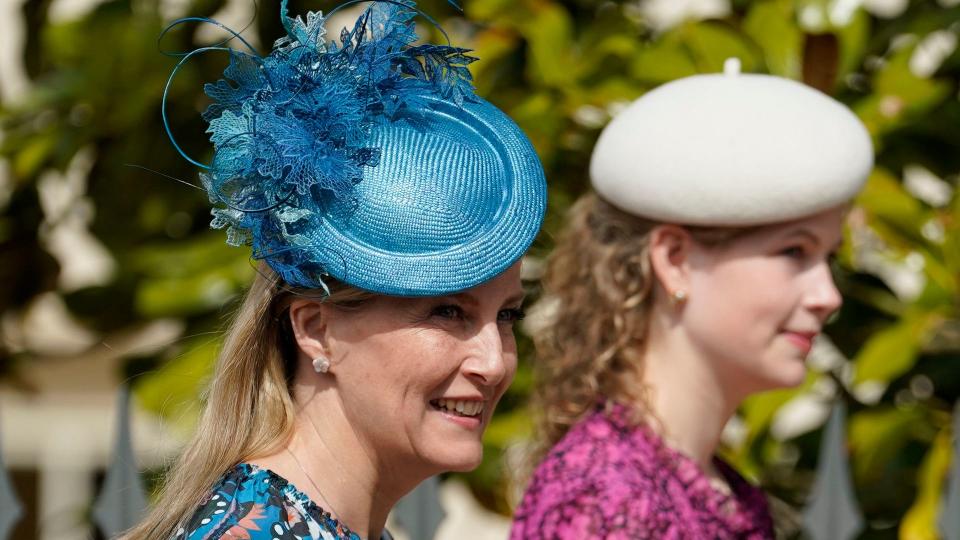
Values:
[(370, 161)]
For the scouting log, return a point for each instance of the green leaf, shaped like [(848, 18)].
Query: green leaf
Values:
[(712, 43), (758, 410), (772, 27), (892, 351), (509, 427), (190, 278), (34, 154), (854, 38), (918, 94), (920, 521), (550, 36), (173, 391), (662, 62), (877, 436), (885, 199)]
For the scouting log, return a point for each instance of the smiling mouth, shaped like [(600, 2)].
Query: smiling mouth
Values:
[(458, 407)]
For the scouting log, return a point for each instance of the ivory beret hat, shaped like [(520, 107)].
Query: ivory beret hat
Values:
[(731, 149)]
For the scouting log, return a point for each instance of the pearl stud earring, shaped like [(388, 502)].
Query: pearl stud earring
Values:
[(321, 364)]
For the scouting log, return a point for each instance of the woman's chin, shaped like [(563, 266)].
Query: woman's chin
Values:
[(457, 457), (788, 374)]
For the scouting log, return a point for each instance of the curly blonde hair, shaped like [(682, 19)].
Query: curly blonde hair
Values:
[(598, 291)]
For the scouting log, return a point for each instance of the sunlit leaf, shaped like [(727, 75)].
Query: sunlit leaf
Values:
[(550, 34), (173, 390), (877, 435), (772, 27), (712, 43), (920, 521), (892, 351), (33, 154), (661, 62)]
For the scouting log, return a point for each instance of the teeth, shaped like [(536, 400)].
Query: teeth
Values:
[(461, 407)]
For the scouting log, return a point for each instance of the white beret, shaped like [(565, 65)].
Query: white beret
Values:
[(731, 149)]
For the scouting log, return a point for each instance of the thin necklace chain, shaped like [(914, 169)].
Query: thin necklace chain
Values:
[(315, 486), (316, 431), (344, 472)]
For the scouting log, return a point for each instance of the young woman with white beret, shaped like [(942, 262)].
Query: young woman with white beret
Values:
[(695, 274)]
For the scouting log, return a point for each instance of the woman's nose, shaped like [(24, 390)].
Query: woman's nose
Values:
[(487, 359), (823, 297)]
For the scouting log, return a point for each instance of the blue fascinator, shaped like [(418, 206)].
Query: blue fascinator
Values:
[(369, 160)]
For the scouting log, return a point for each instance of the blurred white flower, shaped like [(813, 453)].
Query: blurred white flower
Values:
[(812, 18), (532, 268), (926, 186), (841, 11), (665, 14), (14, 83), (800, 415), (590, 116), (886, 9), (541, 315), (825, 356), (48, 328), (869, 392), (734, 432), (933, 230), (83, 259), (931, 52)]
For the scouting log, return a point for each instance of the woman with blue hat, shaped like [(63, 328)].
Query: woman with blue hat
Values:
[(389, 207), (696, 273)]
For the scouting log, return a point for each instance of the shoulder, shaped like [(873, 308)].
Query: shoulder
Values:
[(251, 503), (751, 500), (597, 482), (600, 450)]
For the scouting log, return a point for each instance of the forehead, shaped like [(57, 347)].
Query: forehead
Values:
[(506, 287), (825, 224)]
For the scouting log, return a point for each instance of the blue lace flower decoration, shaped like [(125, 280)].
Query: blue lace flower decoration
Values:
[(292, 130)]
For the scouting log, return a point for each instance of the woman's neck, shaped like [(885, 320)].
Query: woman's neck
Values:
[(327, 461), (687, 397)]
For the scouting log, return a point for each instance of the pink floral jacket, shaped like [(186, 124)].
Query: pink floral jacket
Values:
[(608, 479)]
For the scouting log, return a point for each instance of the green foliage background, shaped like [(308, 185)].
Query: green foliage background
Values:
[(561, 69)]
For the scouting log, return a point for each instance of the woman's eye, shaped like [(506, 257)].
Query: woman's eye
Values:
[(511, 315), (449, 311), (796, 252)]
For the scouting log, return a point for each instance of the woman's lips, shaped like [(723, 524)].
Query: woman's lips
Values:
[(802, 340)]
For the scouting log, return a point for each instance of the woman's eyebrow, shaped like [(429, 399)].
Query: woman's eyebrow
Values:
[(804, 233), (471, 299), (813, 238), (516, 298)]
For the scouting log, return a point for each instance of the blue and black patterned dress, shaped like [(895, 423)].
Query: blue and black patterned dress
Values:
[(253, 503)]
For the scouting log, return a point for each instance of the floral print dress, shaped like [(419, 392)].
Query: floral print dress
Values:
[(609, 479), (253, 503)]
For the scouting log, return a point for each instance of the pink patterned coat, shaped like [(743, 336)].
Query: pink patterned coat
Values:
[(608, 479)]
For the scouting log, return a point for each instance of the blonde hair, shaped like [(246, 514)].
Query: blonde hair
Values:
[(249, 411), (598, 290)]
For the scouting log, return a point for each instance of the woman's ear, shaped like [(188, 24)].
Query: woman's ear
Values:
[(670, 247), (308, 320)]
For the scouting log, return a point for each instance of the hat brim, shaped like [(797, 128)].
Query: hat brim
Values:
[(402, 235)]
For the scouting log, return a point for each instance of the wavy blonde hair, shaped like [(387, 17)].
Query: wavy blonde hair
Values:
[(249, 410), (598, 291)]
